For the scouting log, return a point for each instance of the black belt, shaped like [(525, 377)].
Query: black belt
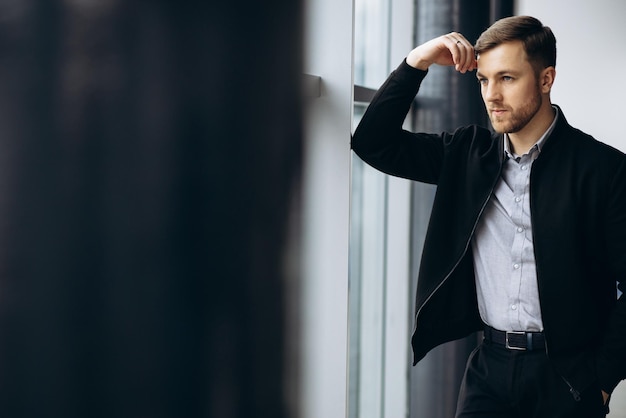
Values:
[(516, 340)]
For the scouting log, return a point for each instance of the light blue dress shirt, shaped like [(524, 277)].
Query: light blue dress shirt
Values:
[(502, 245)]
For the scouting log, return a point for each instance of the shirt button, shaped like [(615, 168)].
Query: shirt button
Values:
[(516, 266), (514, 307), (520, 229), (518, 199), (524, 167)]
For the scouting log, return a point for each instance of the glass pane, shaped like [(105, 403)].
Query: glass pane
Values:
[(371, 47), (367, 288)]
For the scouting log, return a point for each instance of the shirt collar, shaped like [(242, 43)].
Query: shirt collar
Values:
[(540, 142)]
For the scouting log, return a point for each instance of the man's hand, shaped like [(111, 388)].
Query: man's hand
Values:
[(450, 49)]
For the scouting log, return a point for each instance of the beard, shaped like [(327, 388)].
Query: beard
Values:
[(515, 120)]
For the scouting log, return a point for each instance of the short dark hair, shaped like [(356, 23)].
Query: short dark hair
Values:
[(538, 40)]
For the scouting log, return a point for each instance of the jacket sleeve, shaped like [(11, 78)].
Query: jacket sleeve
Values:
[(380, 139), (611, 364)]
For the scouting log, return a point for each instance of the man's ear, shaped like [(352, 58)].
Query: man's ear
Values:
[(546, 79)]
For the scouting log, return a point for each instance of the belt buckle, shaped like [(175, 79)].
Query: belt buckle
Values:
[(510, 347)]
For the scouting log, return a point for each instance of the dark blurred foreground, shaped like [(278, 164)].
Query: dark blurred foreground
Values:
[(149, 159)]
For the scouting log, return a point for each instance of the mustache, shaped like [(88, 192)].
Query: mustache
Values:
[(497, 106)]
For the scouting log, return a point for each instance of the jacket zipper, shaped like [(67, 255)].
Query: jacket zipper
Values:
[(467, 244), (574, 392)]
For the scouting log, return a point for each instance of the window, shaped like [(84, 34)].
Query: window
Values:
[(389, 218), (379, 233)]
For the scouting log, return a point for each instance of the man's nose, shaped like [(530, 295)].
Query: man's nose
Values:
[(491, 92)]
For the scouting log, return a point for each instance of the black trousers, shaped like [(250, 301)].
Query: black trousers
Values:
[(503, 383)]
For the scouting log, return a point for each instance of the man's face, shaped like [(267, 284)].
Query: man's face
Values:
[(509, 87)]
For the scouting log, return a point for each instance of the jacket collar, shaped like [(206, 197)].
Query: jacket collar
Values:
[(559, 131)]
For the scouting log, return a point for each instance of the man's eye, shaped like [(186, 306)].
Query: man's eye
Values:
[(507, 78), (482, 81)]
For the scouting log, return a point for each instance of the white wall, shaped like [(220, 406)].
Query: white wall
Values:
[(590, 85)]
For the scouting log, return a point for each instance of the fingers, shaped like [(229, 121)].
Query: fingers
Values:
[(605, 397), (462, 52), (450, 49)]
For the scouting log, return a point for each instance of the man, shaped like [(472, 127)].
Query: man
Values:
[(527, 236)]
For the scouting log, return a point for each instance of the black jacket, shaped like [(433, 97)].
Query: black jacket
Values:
[(578, 210)]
